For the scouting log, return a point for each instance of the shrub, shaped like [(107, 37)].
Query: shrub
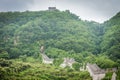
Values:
[(5, 63), (76, 66), (23, 58), (4, 54)]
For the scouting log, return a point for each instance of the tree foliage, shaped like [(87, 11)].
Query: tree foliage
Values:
[(63, 34)]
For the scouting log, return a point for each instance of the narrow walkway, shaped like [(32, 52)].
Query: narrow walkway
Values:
[(114, 76)]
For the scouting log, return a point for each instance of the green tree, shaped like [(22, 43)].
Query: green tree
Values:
[(76, 66)]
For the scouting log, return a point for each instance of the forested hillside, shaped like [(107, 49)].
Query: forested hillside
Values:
[(25, 32), (63, 34), (110, 44)]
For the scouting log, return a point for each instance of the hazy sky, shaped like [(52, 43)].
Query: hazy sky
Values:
[(96, 10)]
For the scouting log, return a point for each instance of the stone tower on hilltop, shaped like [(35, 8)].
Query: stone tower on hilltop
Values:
[(51, 7)]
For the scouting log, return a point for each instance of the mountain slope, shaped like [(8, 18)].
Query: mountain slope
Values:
[(111, 39), (63, 35), (26, 32)]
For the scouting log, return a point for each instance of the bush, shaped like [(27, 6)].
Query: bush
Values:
[(108, 76), (118, 74), (4, 54), (5, 63), (23, 58), (57, 62), (14, 53), (76, 66), (36, 55)]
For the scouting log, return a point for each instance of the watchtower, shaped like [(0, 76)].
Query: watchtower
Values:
[(52, 8), (52, 5)]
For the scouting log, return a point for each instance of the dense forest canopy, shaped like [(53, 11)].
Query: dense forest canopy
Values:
[(63, 34), (52, 29)]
